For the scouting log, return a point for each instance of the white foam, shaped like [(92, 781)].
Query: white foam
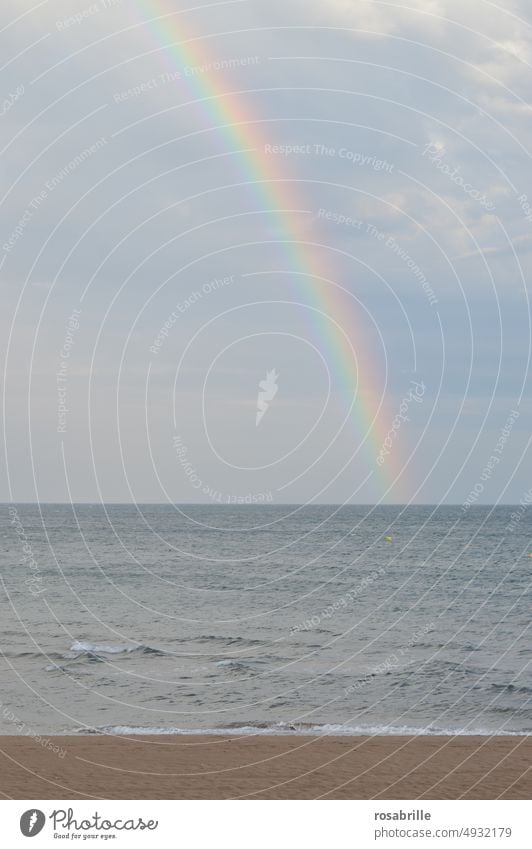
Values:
[(285, 729), (99, 648)]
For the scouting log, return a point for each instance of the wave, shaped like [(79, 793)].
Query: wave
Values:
[(244, 642), (445, 669), (83, 650), (513, 688), (99, 648), (299, 729), (84, 647), (252, 664), (517, 712)]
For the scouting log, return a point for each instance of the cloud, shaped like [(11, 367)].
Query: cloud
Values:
[(169, 204)]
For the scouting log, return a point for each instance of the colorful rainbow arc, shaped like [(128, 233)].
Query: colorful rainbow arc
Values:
[(231, 114)]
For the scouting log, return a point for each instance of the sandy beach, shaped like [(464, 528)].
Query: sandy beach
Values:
[(266, 767)]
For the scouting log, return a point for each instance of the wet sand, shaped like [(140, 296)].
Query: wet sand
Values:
[(266, 767)]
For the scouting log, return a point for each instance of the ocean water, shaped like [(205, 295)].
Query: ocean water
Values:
[(261, 619)]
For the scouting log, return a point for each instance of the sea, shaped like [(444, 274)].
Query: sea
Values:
[(265, 619)]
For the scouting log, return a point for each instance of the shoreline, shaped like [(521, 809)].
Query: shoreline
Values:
[(266, 767)]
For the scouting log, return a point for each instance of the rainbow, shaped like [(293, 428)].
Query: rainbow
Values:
[(330, 303)]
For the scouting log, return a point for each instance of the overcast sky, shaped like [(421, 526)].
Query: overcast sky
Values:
[(350, 259)]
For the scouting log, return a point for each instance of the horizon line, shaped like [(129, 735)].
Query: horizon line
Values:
[(256, 504)]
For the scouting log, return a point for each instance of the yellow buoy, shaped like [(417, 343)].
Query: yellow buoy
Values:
[(389, 539)]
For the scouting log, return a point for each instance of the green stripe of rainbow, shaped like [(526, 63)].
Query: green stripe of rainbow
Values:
[(230, 113)]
